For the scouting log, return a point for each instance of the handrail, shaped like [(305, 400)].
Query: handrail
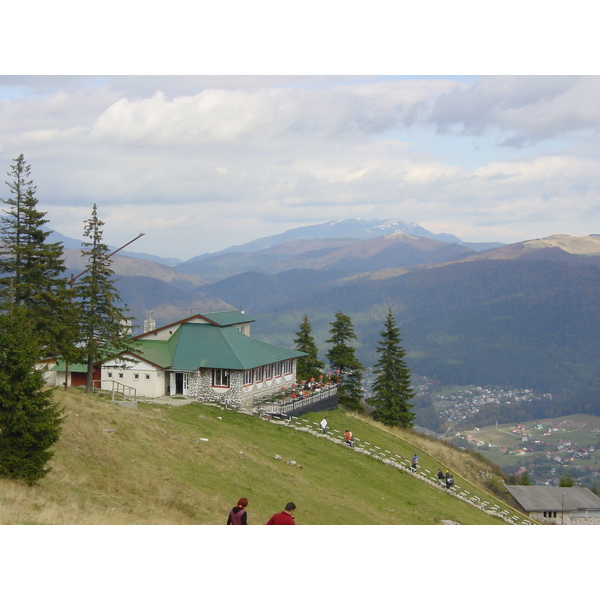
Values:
[(289, 405), (126, 391)]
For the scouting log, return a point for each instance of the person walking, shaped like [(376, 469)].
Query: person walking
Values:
[(414, 463), (284, 517), (324, 425), (238, 514), (449, 480), (349, 438), (442, 477)]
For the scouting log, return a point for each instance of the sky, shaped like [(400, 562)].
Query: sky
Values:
[(202, 162)]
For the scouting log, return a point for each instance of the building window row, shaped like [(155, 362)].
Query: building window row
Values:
[(268, 372), (136, 376)]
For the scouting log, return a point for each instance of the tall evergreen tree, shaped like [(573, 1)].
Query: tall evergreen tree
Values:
[(30, 421), (392, 389), (341, 356), (309, 365), (105, 327), (31, 268)]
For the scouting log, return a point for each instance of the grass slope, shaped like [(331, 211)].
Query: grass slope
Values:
[(189, 465)]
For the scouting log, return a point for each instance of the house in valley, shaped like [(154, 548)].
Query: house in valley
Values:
[(558, 505), (209, 357)]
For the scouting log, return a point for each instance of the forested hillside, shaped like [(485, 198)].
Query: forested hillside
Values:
[(519, 323), (524, 315)]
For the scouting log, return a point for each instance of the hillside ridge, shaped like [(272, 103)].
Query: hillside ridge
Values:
[(189, 464)]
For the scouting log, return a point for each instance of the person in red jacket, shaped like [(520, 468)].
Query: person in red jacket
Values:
[(285, 517)]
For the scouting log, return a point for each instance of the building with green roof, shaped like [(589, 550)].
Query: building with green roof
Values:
[(210, 357)]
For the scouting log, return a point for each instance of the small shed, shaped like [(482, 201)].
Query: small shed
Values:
[(558, 505)]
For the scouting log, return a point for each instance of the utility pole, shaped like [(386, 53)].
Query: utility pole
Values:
[(75, 277)]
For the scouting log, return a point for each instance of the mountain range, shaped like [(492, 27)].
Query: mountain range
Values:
[(523, 315)]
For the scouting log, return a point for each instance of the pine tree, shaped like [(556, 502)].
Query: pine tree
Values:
[(310, 365), (342, 357), (392, 389), (525, 479), (567, 481), (105, 327), (31, 268), (30, 421)]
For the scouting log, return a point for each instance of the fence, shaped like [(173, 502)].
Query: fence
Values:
[(296, 406)]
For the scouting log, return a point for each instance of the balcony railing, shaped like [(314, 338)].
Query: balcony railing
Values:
[(305, 398)]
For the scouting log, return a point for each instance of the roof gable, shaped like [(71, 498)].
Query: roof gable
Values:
[(224, 318)]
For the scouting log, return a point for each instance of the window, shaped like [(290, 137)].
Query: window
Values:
[(220, 378), (136, 375), (248, 377), (120, 375), (268, 369), (287, 367), (109, 375), (147, 376), (258, 374), (277, 369)]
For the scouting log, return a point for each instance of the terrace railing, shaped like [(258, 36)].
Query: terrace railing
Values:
[(290, 405)]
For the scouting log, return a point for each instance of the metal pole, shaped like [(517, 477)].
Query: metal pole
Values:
[(75, 277)]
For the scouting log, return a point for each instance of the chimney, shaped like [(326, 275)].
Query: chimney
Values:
[(149, 323)]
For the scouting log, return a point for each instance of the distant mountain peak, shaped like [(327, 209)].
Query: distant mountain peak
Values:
[(358, 228)]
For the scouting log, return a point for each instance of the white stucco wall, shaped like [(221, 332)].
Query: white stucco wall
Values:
[(147, 379)]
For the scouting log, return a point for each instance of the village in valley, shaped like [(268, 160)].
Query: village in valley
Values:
[(547, 450), (456, 404)]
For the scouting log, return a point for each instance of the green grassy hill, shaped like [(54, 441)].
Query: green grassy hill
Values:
[(189, 464)]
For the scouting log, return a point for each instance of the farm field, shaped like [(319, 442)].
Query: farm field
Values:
[(572, 441)]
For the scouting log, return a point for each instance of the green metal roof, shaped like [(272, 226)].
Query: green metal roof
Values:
[(200, 345), (61, 365), (224, 318)]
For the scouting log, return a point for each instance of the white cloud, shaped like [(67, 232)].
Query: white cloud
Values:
[(200, 163)]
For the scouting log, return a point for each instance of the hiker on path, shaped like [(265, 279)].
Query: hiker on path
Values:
[(413, 464), (238, 514), (284, 517), (324, 425), (449, 480), (349, 438), (442, 477)]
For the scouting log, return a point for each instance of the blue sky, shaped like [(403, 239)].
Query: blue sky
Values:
[(256, 146)]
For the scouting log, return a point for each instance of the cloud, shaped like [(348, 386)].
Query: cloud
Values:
[(533, 107), (200, 163)]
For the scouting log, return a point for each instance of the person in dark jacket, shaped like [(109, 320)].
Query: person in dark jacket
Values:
[(238, 514), (442, 477)]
